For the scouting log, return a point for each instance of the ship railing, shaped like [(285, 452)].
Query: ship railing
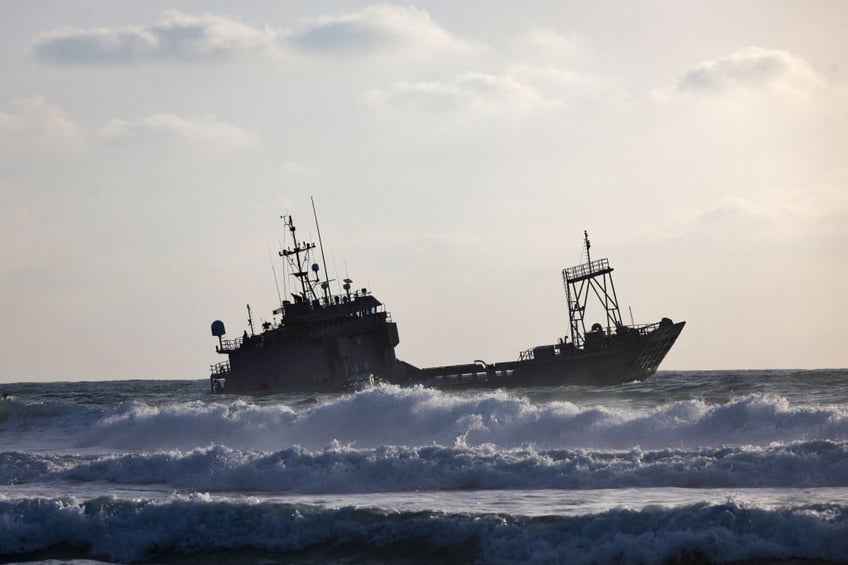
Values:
[(336, 299), (586, 270), (230, 344), (221, 369), (645, 329), (568, 349)]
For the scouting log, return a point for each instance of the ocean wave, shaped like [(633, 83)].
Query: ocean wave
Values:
[(194, 526), (413, 417), (345, 469)]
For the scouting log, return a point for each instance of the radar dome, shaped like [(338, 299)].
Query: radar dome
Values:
[(218, 328)]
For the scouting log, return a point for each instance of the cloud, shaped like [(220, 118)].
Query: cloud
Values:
[(751, 68), (379, 28), (820, 207), (206, 132), (470, 92), (554, 81), (177, 36), (546, 45), (37, 121), (734, 207)]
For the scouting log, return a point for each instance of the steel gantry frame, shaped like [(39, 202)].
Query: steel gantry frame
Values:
[(578, 281)]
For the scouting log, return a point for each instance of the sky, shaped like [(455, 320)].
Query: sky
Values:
[(456, 152)]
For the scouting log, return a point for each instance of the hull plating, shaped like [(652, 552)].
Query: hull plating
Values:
[(312, 370)]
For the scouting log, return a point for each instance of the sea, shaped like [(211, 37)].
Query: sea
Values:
[(686, 467)]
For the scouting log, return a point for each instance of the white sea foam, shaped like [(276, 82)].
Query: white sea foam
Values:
[(534, 475), (417, 417), (342, 469), (199, 525)]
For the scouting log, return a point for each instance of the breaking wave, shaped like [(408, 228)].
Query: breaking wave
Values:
[(341, 469), (124, 530), (389, 415)]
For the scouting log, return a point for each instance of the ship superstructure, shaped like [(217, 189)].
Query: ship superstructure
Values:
[(324, 341)]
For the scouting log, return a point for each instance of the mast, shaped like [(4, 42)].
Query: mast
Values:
[(594, 276), (250, 320), (299, 264), (276, 281), (326, 284)]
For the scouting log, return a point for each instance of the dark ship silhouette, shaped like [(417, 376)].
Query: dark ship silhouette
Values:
[(328, 342)]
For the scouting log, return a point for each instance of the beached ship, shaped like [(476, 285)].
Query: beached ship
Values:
[(333, 342)]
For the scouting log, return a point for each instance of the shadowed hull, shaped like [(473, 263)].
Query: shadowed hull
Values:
[(616, 363)]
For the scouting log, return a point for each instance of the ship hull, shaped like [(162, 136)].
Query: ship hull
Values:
[(616, 361)]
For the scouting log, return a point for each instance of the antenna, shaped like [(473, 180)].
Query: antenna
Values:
[(338, 281), (273, 270), (250, 320), (321, 246), (285, 268), (285, 263), (347, 281), (298, 263)]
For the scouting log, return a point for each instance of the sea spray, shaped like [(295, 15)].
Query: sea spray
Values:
[(122, 530), (394, 416), (343, 469), (686, 467)]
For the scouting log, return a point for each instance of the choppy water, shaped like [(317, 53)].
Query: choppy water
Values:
[(687, 467)]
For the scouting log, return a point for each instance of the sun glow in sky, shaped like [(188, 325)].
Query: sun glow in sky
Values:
[(455, 151)]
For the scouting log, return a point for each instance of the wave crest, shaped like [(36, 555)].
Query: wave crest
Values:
[(415, 417), (199, 525)]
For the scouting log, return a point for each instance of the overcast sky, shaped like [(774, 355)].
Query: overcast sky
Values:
[(455, 151)]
